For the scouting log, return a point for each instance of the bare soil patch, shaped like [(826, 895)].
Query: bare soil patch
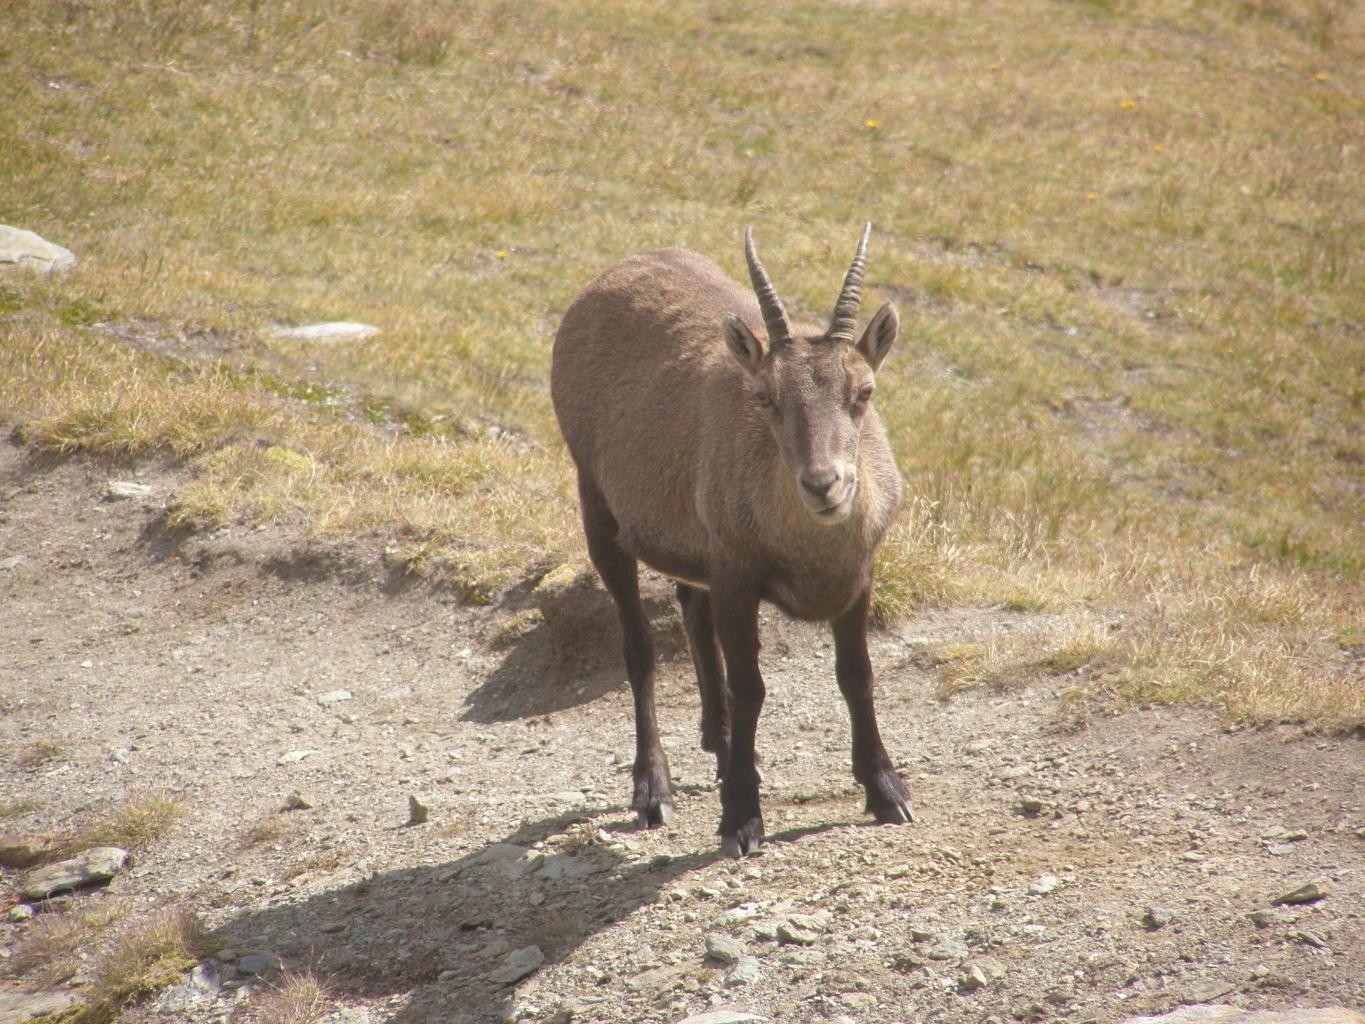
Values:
[(1087, 862)]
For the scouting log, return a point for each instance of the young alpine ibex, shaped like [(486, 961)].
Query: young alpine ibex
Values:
[(753, 470)]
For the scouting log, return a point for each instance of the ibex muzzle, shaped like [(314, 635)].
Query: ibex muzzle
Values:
[(753, 470)]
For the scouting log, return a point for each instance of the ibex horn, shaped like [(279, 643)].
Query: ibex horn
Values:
[(774, 316), (844, 323)]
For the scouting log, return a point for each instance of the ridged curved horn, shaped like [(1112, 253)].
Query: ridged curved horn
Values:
[(844, 323), (774, 316)]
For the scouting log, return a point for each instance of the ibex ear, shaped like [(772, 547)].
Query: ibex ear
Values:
[(743, 343), (879, 335)]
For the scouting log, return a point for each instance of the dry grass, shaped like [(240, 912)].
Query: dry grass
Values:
[(1124, 239), (297, 999), (40, 752), (134, 824), (142, 959), (49, 950)]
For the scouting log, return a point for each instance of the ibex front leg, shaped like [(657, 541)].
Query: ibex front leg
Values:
[(736, 619), (887, 796), (653, 797)]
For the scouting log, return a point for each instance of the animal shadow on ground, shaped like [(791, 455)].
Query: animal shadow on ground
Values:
[(440, 933)]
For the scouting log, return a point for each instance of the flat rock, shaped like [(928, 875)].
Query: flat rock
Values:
[(337, 330), (126, 490), (724, 949), (88, 868), (722, 1017), (333, 697), (747, 971), (19, 1006), (518, 965), (20, 248), (1237, 1015), (23, 851), (1309, 893)]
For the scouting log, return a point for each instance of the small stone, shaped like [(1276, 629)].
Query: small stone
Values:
[(1043, 884), (790, 934), (973, 978), (335, 331), (296, 801), (1030, 807), (92, 866), (1157, 918), (12, 562), (19, 913), (1309, 893), (332, 698), (18, 1005), (921, 934), (418, 812), (724, 949), (331, 927), (126, 490), (294, 756), (1311, 939), (858, 1000), (518, 965), (1266, 918), (747, 971), (810, 922), (946, 947)]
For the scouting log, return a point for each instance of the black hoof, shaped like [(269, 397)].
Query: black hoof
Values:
[(653, 817), (889, 800), (744, 840)]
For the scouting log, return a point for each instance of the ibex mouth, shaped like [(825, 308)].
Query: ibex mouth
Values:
[(831, 512)]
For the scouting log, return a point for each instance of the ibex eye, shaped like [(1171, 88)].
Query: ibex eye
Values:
[(763, 400), (865, 393)]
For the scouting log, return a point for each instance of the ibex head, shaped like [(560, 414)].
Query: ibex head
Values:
[(815, 389)]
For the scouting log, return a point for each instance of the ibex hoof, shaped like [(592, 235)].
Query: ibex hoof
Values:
[(653, 817), (744, 842), (889, 800)]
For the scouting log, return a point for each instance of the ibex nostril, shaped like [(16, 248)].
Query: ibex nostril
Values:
[(820, 483)]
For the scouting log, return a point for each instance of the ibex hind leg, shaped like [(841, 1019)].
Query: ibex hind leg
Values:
[(710, 669), (653, 797)]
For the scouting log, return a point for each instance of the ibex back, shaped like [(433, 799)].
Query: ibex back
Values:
[(740, 455)]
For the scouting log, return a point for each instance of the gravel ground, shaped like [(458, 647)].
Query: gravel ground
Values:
[(1071, 862)]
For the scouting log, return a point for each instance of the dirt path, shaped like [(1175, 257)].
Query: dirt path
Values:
[(211, 667)]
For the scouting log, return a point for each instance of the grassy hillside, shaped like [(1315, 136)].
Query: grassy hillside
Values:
[(1125, 240)]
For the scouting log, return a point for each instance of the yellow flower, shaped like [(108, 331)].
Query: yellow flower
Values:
[(1128, 104), (501, 254), (1321, 76), (1158, 148), (995, 65), (872, 123), (1092, 195)]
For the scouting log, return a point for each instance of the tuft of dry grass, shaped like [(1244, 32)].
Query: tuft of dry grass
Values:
[(134, 824), (300, 998), (39, 752), (49, 950), (141, 960)]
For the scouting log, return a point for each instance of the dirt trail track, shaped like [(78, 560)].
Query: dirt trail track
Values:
[(196, 664)]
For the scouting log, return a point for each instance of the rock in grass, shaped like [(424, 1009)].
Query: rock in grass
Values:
[(89, 868), (1310, 893), (20, 248), (338, 330), (126, 490)]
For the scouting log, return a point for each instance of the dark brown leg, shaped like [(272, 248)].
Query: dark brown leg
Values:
[(736, 622), (710, 669), (887, 796), (653, 799)]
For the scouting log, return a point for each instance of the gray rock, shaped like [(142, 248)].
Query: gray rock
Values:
[(88, 868), (418, 812), (790, 934), (257, 963), (810, 922), (19, 1006), (126, 490), (722, 1017), (1206, 991), (724, 948), (1043, 884), (1237, 1015), (1311, 938), (946, 947), (19, 913), (337, 330), (297, 801), (973, 978), (517, 965), (20, 248), (1157, 918), (1309, 893), (12, 562), (333, 697), (747, 971), (294, 756)]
